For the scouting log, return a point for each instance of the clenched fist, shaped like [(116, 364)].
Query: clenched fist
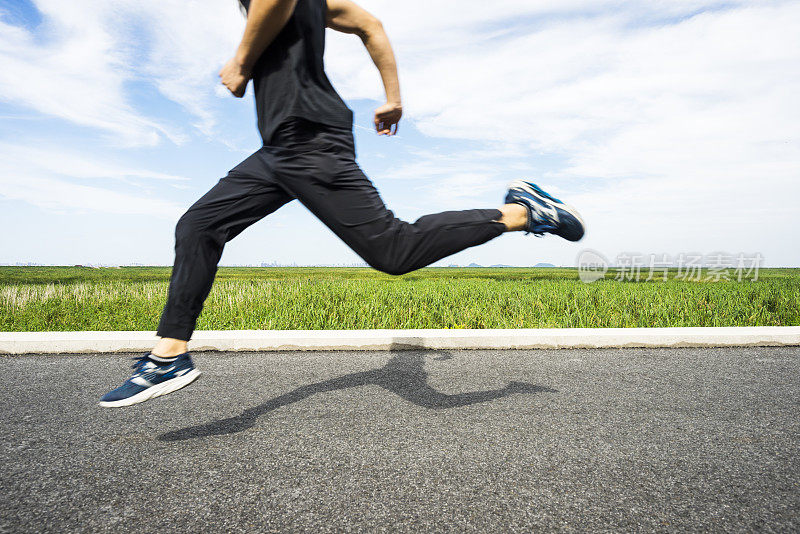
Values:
[(235, 76), (386, 118)]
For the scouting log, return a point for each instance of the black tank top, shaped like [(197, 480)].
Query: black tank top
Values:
[(289, 76)]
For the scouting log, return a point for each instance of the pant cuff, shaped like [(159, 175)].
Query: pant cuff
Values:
[(175, 331)]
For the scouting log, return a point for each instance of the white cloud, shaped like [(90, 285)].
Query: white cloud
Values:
[(56, 161), (78, 64), (64, 196), (72, 77), (45, 178)]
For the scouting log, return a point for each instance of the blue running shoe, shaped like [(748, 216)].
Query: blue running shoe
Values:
[(151, 380), (545, 213)]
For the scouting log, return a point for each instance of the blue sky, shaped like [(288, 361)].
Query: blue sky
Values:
[(672, 126)]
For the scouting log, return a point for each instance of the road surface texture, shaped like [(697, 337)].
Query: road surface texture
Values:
[(575, 440)]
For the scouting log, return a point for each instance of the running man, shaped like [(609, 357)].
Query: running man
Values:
[(308, 154)]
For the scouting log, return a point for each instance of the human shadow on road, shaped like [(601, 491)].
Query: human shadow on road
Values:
[(404, 375)]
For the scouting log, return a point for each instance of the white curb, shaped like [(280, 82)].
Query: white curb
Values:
[(280, 340)]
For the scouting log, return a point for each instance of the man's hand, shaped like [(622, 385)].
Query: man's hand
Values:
[(235, 76), (386, 118)]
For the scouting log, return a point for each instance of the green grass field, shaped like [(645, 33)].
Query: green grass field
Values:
[(75, 298)]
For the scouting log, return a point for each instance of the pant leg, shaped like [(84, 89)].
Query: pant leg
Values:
[(325, 177), (247, 194)]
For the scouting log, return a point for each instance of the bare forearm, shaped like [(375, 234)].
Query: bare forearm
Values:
[(377, 43), (346, 16), (265, 19)]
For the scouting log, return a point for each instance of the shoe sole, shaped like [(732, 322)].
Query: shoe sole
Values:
[(525, 186), (154, 391)]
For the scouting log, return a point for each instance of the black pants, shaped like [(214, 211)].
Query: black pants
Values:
[(316, 165)]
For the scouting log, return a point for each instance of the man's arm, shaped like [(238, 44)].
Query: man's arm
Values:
[(345, 16), (265, 19)]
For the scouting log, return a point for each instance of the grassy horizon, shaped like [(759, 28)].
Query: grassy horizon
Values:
[(286, 298)]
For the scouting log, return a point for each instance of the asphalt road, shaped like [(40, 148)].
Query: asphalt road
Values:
[(583, 440)]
